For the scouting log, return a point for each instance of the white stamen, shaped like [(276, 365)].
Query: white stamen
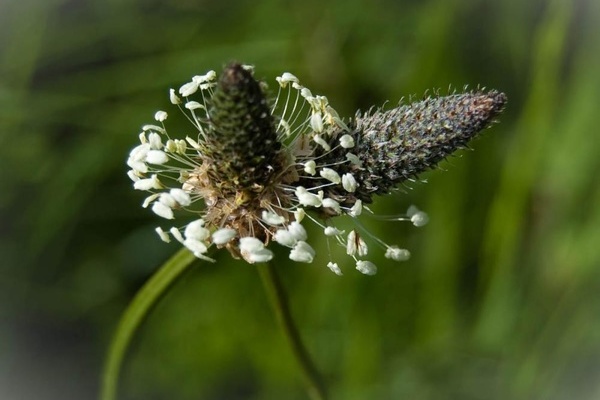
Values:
[(334, 205), (362, 249), (193, 143), (181, 146), (417, 217), (205, 86), (173, 97), (167, 200), (188, 89), (347, 141), (284, 238), (286, 78), (366, 267), (272, 219), (139, 152), (353, 158), (332, 231), (250, 244), (334, 268), (258, 256), (138, 167), (160, 116), (253, 250), (209, 76), (195, 246), (162, 210), (397, 254), (349, 183), (155, 141), (316, 122), (157, 157), (356, 245), (299, 214), (307, 94), (148, 183), (351, 243), (356, 209), (310, 167), (297, 231), (171, 146), (223, 235), (331, 175), (176, 234), (195, 230), (155, 128), (149, 200), (181, 197), (302, 252), (164, 236), (308, 199), (133, 176), (193, 105), (321, 142)]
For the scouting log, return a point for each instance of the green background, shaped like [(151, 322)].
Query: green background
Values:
[(500, 300)]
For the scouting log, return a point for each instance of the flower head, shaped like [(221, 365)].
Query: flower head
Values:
[(253, 168)]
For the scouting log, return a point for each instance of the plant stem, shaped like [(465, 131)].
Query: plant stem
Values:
[(143, 302), (279, 302)]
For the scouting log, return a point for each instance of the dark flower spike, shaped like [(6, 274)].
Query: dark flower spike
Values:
[(241, 144), (258, 167), (397, 145)]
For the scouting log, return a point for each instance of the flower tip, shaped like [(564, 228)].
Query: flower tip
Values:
[(497, 101)]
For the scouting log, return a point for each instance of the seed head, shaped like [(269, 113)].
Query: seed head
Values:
[(392, 146)]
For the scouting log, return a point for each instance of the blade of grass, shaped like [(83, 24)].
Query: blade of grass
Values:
[(145, 299)]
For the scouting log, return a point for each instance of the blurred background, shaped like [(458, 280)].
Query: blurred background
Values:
[(500, 300)]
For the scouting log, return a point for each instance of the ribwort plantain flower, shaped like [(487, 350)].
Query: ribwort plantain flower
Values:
[(254, 171)]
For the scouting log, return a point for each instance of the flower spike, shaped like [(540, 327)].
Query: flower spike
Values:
[(262, 168)]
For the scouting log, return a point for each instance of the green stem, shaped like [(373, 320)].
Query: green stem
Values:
[(279, 302), (145, 299)]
